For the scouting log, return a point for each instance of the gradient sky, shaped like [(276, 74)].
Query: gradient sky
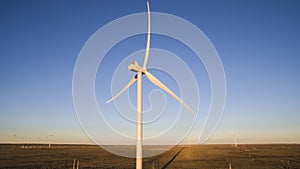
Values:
[(257, 41)]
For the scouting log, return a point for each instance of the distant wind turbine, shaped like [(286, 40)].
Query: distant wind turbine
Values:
[(138, 78), (49, 140), (235, 140), (15, 137)]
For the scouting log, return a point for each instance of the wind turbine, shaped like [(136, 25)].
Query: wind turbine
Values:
[(140, 71), (49, 140), (15, 136), (235, 140)]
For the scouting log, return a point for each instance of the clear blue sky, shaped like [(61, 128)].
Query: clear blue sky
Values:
[(258, 43)]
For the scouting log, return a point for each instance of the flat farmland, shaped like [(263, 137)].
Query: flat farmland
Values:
[(195, 156)]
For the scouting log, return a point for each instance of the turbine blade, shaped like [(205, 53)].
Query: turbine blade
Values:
[(131, 82), (158, 83), (148, 38)]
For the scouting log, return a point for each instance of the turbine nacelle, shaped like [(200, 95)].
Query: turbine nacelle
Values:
[(135, 67)]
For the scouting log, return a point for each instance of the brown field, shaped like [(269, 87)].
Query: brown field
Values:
[(266, 156)]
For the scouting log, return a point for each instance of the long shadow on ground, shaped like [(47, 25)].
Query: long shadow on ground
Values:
[(169, 162)]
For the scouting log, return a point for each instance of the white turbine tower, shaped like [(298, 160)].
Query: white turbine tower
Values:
[(49, 140), (15, 136), (138, 77), (235, 140)]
